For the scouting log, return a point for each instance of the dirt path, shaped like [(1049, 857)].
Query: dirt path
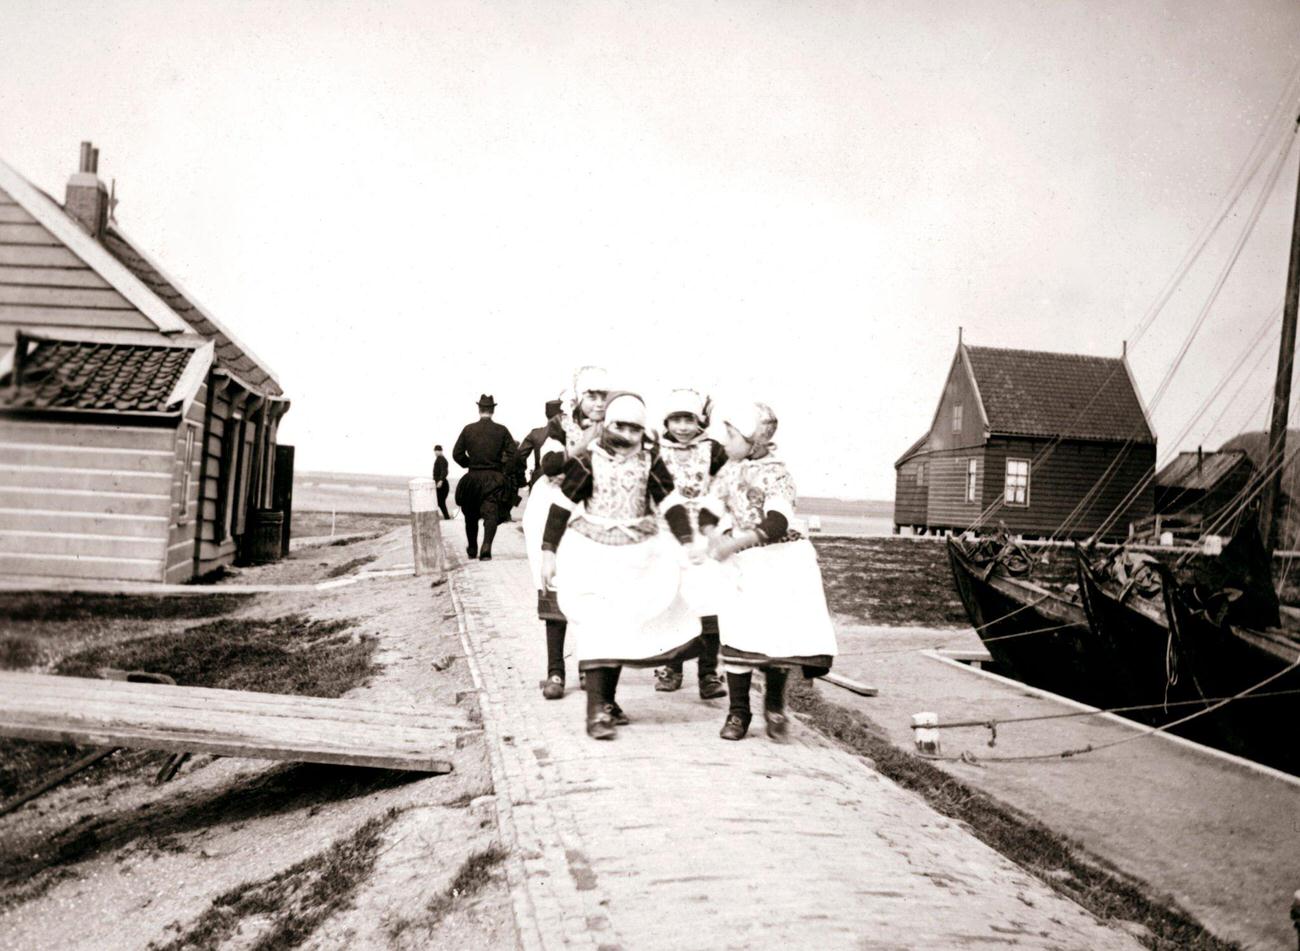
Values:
[(237, 853)]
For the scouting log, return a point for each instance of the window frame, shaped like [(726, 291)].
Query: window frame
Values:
[(957, 414), (920, 475), (1007, 484), (187, 472), (972, 479)]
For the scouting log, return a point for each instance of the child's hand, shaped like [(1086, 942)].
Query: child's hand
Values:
[(548, 570)]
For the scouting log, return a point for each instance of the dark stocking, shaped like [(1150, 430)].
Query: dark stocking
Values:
[(710, 642), (738, 689), (600, 688), (774, 691), (555, 631)]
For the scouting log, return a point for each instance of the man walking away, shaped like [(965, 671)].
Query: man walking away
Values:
[(483, 448), (440, 479), (531, 445)]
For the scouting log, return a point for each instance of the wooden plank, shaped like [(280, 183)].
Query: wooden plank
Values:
[(86, 459), (82, 523), (30, 256), (862, 690), (33, 317), (66, 566), (50, 276), (86, 501), (228, 722), (26, 234), (63, 296), (110, 481), (83, 435), (84, 546), (16, 215)]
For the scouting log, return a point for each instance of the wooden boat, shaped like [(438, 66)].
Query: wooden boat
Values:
[(1036, 634)]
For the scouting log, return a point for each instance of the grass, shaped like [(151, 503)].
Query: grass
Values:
[(313, 524), (1083, 878), (296, 900), (889, 581), (52, 606), (474, 873), (349, 566), (290, 654)]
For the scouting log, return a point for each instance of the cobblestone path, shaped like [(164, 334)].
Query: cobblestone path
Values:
[(669, 837)]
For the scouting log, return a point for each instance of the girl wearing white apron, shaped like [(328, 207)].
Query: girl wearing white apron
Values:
[(567, 433), (774, 616), (694, 459), (615, 572)]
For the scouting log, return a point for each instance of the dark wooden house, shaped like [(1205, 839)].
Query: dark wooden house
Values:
[(1196, 489), (1045, 443), (137, 434)]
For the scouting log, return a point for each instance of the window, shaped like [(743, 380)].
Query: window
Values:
[(186, 473), (1017, 482), (920, 473), (972, 479), (956, 417)]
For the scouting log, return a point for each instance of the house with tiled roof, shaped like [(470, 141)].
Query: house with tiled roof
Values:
[(1049, 444), (138, 434)]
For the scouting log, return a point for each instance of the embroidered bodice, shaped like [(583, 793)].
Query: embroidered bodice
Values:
[(689, 465), (752, 487), (618, 488), (573, 432)]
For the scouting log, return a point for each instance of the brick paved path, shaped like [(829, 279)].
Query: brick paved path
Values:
[(669, 837)]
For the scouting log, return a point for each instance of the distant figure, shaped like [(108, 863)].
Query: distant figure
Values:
[(533, 442), (440, 479), (483, 448)]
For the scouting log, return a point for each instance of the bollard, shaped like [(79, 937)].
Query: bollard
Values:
[(814, 523), (925, 733), (426, 531)]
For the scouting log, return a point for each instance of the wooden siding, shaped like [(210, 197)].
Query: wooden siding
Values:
[(44, 286), (1062, 480), (957, 390), (909, 498), (185, 510), (84, 500), (947, 477), (216, 548)]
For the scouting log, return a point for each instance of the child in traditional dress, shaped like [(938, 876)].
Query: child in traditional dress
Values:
[(567, 432), (693, 459), (774, 617), (617, 575)]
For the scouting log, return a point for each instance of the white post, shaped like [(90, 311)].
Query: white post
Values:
[(925, 733), (426, 531)]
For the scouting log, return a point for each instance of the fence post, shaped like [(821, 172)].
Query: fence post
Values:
[(426, 531)]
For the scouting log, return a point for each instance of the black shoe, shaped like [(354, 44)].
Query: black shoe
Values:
[(778, 724), (712, 687), (667, 679), (615, 711), (553, 687), (736, 726), (601, 727), (471, 550), (486, 556)]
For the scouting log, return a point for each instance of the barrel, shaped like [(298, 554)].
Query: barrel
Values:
[(265, 533)]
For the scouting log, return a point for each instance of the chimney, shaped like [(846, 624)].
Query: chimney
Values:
[(1200, 459), (86, 199)]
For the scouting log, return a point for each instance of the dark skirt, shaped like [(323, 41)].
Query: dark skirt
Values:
[(479, 486), (812, 666)]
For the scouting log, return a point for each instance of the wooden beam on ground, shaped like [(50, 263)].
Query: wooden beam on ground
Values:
[(862, 690), (229, 722)]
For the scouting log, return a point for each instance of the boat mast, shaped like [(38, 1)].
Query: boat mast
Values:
[(1268, 524)]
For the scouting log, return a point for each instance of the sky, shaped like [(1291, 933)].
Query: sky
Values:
[(402, 206)]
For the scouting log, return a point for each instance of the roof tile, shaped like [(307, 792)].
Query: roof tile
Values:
[(65, 374)]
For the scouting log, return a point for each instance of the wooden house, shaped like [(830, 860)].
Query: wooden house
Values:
[(137, 434), (1198, 490), (1045, 443)]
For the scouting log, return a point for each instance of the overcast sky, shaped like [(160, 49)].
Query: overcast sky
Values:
[(399, 207)]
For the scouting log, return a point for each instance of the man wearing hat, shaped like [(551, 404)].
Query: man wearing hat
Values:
[(484, 448), (440, 473), (531, 445)]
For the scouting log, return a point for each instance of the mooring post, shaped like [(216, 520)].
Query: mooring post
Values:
[(426, 531)]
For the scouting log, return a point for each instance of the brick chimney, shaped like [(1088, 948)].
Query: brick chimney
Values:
[(86, 199)]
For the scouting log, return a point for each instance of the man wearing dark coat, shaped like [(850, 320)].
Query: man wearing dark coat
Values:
[(484, 448), (533, 442), (440, 472)]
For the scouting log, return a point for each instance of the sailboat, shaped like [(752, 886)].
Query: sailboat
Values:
[(1206, 634)]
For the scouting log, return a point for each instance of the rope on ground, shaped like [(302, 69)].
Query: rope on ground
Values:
[(1091, 748)]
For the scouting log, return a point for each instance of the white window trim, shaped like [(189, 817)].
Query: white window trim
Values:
[(972, 478), (187, 471), (957, 417), (1028, 482)]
